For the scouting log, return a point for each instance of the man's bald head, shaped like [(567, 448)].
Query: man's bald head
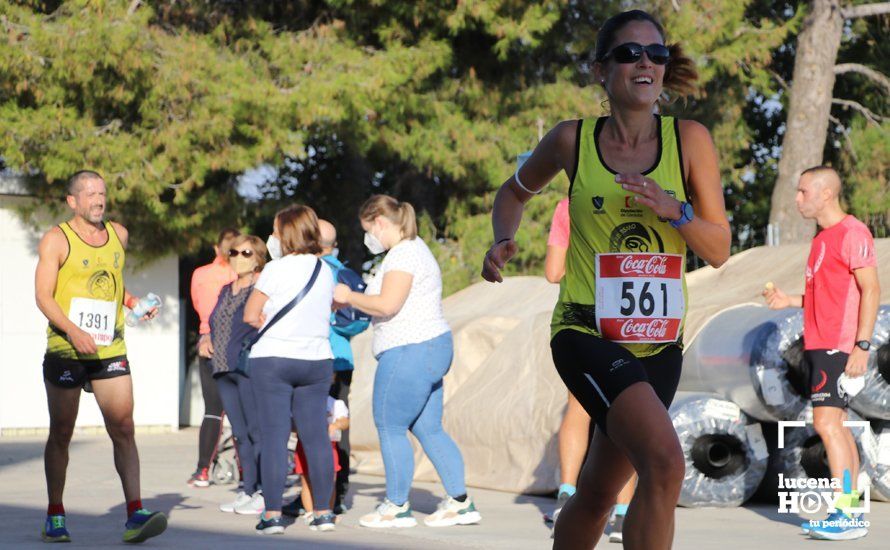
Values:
[(818, 195), (824, 177), (328, 236)]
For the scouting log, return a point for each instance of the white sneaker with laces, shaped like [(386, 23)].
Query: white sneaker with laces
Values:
[(451, 512), (255, 505), (388, 514), (240, 499)]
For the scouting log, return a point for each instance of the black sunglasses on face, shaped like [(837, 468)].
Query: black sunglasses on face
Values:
[(631, 52), (246, 253)]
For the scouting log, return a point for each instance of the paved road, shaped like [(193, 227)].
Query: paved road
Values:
[(95, 510)]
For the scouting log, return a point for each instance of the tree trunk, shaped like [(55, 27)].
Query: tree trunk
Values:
[(809, 107)]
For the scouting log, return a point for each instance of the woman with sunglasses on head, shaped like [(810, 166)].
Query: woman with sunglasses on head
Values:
[(643, 188), (246, 256)]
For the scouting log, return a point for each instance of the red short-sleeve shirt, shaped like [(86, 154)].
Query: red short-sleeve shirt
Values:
[(831, 298)]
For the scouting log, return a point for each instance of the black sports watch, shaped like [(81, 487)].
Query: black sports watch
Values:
[(864, 345)]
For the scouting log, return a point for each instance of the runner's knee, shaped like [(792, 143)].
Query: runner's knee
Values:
[(827, 425), (121, 429), (61, 431), (664, 468)]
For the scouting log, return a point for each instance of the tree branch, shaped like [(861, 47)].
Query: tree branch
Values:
[(847, 140), (134, 5), (872, 74), (779, 79), (866, 10), (848, 103)]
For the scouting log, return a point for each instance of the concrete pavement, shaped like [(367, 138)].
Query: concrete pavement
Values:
[(96, 512)]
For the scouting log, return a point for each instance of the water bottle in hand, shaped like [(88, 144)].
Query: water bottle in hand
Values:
[(146, 304)]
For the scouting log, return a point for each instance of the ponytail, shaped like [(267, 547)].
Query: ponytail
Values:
[(407, 220), (400, 213), (680, 75)]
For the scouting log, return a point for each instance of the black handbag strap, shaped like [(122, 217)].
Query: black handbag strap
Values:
[(284, 311)]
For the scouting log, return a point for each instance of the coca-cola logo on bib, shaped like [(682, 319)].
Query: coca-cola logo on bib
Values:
[(653, 265), (649, 329)]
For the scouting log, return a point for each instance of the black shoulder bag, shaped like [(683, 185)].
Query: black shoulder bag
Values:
[(243, 366)]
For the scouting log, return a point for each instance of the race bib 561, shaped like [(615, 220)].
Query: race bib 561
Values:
[(639, 297)]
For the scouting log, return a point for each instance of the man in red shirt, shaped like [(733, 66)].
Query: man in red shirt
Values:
[(840, 306), (207, 281)]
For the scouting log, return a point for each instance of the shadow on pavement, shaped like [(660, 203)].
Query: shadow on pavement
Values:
[(771, 513), (20, 528), (14, 452)]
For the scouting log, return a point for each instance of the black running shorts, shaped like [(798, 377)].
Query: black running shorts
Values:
[(596, 371), (73, 373), (826, 368)]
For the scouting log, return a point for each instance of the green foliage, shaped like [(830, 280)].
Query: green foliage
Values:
[(428, 100)]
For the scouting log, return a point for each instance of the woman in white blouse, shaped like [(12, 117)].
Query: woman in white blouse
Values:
[(413, 347), (291, 365)]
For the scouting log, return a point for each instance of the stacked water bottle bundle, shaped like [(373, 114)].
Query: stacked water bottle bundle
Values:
[(742, 374)]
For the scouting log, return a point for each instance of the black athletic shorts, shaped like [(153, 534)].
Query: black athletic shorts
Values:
[(74, 373), (596, 371), (826, 368)]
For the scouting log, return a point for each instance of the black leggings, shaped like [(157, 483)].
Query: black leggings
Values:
[(596, 371), (293, 390), (211, 425)]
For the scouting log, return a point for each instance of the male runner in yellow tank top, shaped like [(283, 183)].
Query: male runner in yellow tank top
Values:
[(80, 289)]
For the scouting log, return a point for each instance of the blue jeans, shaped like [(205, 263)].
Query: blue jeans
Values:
[(408, 396), (236, 393), (287, 389)]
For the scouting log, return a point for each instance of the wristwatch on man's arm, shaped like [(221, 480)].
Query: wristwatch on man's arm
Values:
[(864, 345)]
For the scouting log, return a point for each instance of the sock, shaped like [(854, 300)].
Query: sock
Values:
[(462, 498), (132, 506), (621, 509), (845, 502), (55, 510), (567, 488)]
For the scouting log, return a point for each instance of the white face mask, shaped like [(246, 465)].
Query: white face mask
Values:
[(274, 247), (373, 243)]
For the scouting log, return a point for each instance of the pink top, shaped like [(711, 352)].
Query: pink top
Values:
[(207, 282), (831, 298), (559, 227)]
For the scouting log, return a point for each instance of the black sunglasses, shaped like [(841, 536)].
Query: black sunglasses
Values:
[(246, 253), (631, 52)]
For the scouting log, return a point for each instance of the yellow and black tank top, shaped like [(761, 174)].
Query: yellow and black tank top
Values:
[(604, 218), (90, 290)]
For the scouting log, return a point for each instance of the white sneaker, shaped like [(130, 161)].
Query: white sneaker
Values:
[(451, 512), (388, 514), (240, 499), (255, 505), (308, 518)]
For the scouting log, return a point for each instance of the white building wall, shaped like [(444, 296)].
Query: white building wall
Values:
[(153, 348)]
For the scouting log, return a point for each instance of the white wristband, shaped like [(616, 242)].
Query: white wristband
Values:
[(524, 188)]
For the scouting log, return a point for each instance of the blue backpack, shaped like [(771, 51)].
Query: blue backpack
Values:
[(349, 321)]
